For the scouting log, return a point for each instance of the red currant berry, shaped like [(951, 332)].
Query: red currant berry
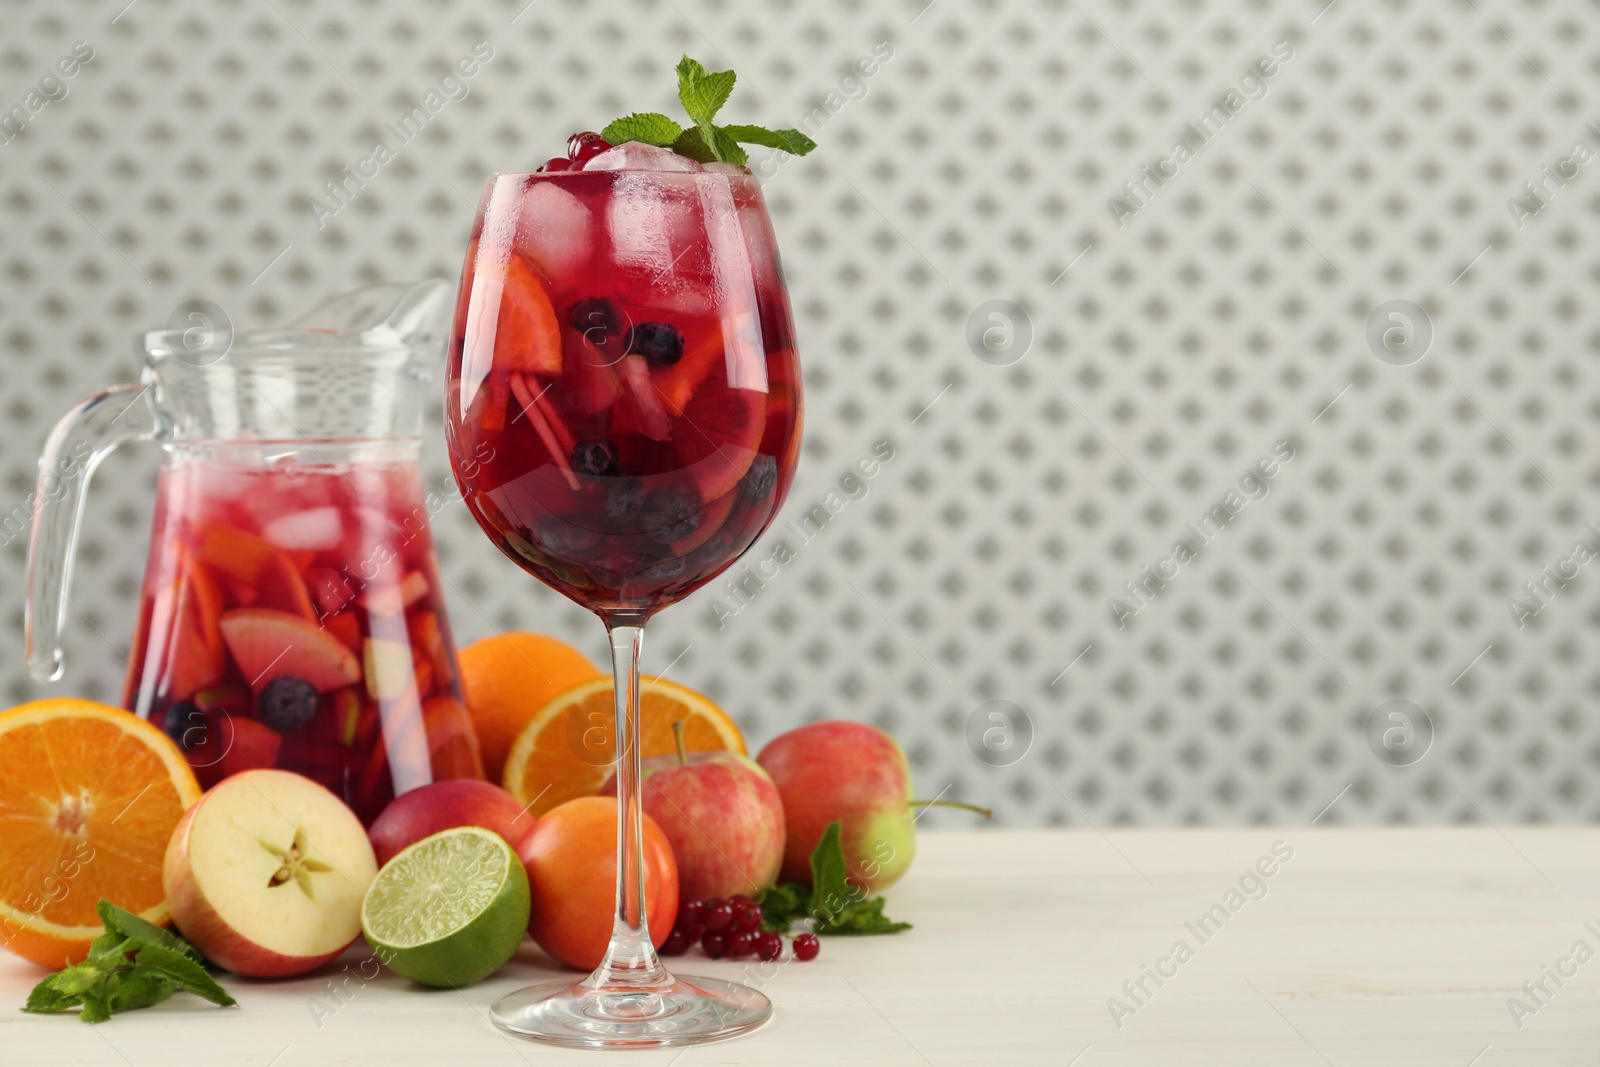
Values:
[(556, 163), (769, 946), (741, 944), (738, 899), (746, 917), (806, 947), (691, 911), (676, 944), (582, 147), (694, 931), (718, 914), (715, 944)]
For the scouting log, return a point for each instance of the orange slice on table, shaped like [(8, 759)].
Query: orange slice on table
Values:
[(89, 795), (567, 749)]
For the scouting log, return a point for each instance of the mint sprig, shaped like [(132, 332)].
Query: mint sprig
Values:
[(837, 905), (703, 94), (134, 964)]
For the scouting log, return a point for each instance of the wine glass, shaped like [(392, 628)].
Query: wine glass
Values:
[(623, 418)]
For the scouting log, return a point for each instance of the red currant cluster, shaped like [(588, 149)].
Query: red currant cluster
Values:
[(581, 147), (731, 927)]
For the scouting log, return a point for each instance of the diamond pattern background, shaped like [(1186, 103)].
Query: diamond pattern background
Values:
[(1169, 354)]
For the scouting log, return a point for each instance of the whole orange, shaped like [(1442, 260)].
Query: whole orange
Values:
[(571, 857), (508, 677)]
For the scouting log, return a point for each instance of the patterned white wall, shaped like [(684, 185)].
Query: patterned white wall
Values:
[(1174, 335)]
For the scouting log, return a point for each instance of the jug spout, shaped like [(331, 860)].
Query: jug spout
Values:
[(410, 312)]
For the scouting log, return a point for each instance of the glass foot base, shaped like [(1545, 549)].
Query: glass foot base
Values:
[(687, 1011)]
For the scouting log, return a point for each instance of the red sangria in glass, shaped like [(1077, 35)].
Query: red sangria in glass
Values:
[(624, 353)]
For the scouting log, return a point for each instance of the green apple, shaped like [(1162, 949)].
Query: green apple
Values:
[(856, 774)]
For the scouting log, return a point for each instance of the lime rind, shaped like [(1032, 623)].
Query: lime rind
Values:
[(436, 887)]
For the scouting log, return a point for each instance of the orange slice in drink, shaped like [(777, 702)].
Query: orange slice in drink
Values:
[(89, 795), (567, 750)]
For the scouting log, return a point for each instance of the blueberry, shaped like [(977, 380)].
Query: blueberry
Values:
[(672, 512), (287, 703), (664, 569), (559, 537), (624, 497), (659, 342), (594, 459), (596, 318), (185, 724), (761, 479)]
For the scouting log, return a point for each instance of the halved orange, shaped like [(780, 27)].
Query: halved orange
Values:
[(568, 750), (89, 795)]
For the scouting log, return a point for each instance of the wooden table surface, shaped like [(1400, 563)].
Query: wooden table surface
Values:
[(1361, 946)]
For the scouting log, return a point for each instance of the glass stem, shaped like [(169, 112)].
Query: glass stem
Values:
[(631, 960)]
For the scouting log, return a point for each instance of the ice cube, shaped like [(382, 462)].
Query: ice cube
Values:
[(635, 155), (657, 229), (724, 168), (318, 529), (554, 230), (761, 246), (635, 219)]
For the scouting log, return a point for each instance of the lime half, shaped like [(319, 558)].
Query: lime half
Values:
[(450, 909)]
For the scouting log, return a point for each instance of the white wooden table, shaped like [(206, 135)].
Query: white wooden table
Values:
[(1367, 946)]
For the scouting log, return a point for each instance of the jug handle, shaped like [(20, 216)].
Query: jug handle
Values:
[(84, 436)]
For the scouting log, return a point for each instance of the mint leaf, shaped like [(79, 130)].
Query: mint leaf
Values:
[(110, 945), (703, 93), (694, 146), (708, 94), (132, 965), (45, 999), (792, 141), (138, 930), (185, 973), (689, 71), (75, 980), (138, 989), (862, 917), (837, 905), (96, 1007), (649, 127), (781, 905), (726, 148), (830, 888)]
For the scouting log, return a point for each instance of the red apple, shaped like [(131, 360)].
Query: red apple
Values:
[(856, 774), (723, 816), (266, 873), (425, 811)]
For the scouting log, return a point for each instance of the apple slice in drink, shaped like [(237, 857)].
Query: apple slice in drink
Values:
[(265, 874), (269, 644)]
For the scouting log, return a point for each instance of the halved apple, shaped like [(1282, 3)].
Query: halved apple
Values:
[(265, 874)]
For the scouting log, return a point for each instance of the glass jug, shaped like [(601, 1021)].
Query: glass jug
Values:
[(291, 614)]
